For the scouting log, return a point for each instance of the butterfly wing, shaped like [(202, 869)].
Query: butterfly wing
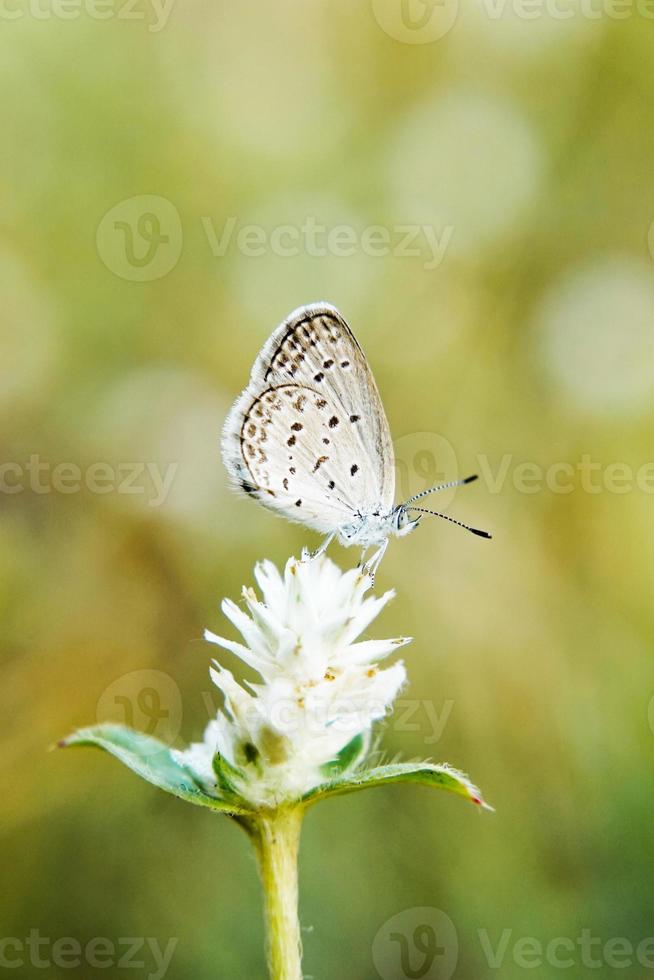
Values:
[(308, 437)]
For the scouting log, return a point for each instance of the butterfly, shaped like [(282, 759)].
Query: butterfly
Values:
[(308, 438)]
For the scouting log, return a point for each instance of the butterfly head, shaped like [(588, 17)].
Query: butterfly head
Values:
[(402, 524)]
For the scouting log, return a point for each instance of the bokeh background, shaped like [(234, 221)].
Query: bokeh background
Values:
[(521, 348)]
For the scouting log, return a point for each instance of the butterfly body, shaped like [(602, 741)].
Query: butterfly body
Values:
[(308, 437), (373, 529)]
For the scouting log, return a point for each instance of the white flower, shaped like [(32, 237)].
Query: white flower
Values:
[(320, 689)]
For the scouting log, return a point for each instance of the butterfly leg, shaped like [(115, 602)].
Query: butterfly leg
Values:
[(310, 555), (371, 566)]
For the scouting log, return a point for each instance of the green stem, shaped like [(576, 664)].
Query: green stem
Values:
[(276, 836)]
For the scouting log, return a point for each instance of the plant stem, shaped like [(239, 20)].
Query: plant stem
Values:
[(276, 836)]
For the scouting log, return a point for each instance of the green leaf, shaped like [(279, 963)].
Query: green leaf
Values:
[(154, 762), (425, 773), (347, 758), (226, 777)]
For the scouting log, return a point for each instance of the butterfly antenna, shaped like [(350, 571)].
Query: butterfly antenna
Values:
[(442, 486), (435, 513)]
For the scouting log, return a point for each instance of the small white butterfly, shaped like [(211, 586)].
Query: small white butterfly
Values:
[(308, 437)]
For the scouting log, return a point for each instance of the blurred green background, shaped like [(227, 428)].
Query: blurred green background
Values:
[(524, 145)]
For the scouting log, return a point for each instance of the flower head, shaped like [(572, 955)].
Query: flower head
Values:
[(320, 690)]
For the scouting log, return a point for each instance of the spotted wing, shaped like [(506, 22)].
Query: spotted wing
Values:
[(308, 437)]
